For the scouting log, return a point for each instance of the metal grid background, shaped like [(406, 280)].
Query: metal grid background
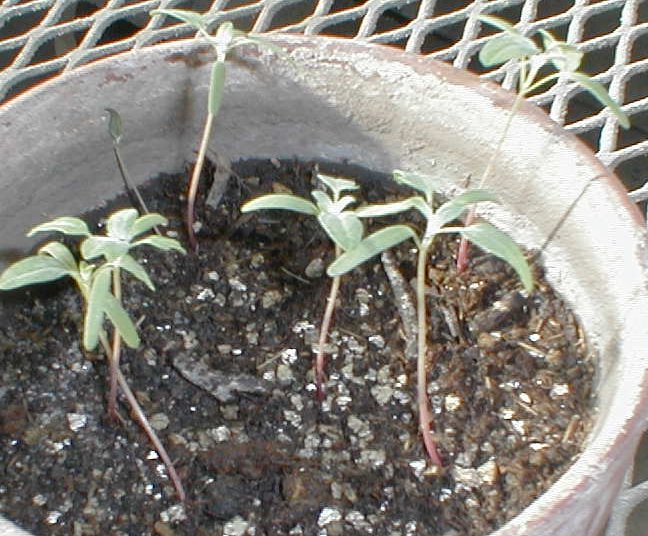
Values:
[(42, 38)]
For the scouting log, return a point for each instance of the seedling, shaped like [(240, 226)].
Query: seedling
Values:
[(483, 234), (115, 129), (226, 39), (531, 57), (343, 227), (97, 275)]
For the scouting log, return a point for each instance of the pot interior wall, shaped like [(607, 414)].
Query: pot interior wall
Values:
[(381, 110)]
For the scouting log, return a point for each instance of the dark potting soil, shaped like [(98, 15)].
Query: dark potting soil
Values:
[(224, 373)]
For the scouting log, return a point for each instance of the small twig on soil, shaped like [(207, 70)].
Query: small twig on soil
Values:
[(404, 302)]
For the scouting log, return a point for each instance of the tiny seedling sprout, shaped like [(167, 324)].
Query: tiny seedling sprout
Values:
[(341, 224), (531, 57), (97, 275), (488, 237), (226, 39)]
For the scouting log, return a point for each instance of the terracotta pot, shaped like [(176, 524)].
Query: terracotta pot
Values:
[(379, 108)]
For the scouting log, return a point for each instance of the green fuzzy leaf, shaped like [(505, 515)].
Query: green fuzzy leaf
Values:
[(61, 253), (216, 87), (388, 209), (452, 209), (190, 17), (163, 243), (499, 23), (506, 47), (426, 184), (95, 308), (564, 57), (345, 229), (119, 224), (601, 94), (103, 246), (323, 200), (341, 204), (146, 223), (32, 270), (369, 247), (281, 202), (134, 268), (337, 184), (241, 38), (498, 243), (122, 322), (67, 225), (114, 125), (510, 45)]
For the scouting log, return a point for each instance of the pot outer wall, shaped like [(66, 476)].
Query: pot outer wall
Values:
[(382, 109)]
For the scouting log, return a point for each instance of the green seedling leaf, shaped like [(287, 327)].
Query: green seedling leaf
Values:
[(95, 308), (426, 184), (345, 229), (499, 23), (498, 243), (67, 225), (190, 17), (452, 209), (103, 246), (599, 92), (134, 268), (388, 209), (563, 56), (61, 253), (341, 204), (337, 185), (146, 223), (224, 40), (122, 322), (163, 243), (114, 125), (216, 87), (323, 200), (511, 45), (85, 272), (506, 47), (119, 224), (32, 270), (369, 247), (281, 202), (241, 38)]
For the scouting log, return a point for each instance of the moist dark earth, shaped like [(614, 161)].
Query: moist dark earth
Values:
[(509, 381)]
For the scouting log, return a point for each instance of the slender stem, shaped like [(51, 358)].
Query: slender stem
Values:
[(195, 179), (136, 409), (464, 245), (140, 417), (326, 323), (425, 416), (114, 355), (132, 190)]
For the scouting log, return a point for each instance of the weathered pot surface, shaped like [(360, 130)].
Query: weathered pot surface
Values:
[(381, 109)]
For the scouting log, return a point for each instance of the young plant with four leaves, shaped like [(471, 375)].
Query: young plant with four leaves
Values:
[(531, 58), (343, 227), (98, 276), (486, 236), (226, 39)]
